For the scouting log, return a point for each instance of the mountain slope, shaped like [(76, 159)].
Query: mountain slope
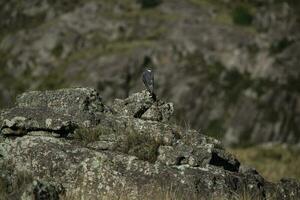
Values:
[(232, 66)]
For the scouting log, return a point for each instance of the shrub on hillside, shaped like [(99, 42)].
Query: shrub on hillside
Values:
[(149, 3), (241, 15)]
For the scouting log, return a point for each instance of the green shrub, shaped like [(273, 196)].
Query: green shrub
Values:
[(149, 3), (280, 46), (58, 50), (242, 16)]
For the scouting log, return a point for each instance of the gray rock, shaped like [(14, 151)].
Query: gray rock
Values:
[(21, 120), (103, 145), (224, 159), (109, 173), (59, 111), (285, 189), (73, 101), (135, 105), (120, 156), (159, 111), (199, 156), (244, 169), (141, 105), (20, 184), (41, 190)]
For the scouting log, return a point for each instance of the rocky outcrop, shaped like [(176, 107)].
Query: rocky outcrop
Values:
[(59, 111), (140, 105), (90, 150)]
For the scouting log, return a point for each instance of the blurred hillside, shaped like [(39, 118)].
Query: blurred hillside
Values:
[(230, 67)]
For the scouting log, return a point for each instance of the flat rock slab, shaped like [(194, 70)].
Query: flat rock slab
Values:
[(20, 121), (72, 101)]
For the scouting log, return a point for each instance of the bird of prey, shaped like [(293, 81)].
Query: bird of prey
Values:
[(148, 79)]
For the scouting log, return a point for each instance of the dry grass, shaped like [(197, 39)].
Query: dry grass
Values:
[(12, 182), (142, 146), (87, 135), (154, 192), (131, 142), (273, 163)]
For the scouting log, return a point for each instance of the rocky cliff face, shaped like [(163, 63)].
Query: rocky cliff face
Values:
[(67, 144), (231, 66)]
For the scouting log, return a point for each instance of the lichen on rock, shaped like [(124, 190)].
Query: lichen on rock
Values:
[(142, 105), (74, 146)]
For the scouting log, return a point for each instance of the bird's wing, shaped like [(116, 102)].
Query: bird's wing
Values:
[(151, 85), (145, 80), (148, 80)]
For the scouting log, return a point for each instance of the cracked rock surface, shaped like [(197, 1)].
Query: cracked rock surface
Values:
[(68, 144)]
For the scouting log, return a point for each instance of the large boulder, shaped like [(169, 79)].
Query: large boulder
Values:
[(74, 101), (120, 155), (59, 111)]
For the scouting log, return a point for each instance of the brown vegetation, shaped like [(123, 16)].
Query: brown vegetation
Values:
[(274, 162)]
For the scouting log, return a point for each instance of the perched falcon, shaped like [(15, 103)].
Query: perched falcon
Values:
[(148, 79)]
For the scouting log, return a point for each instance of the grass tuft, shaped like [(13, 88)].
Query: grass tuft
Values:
[(13, 182), (142, 146), (131, 142), (87, 135)]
